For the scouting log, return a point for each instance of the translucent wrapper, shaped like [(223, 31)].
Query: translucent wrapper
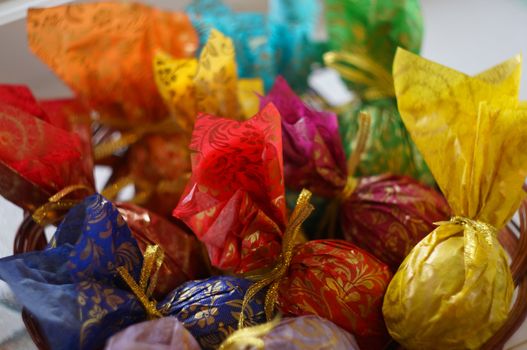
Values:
[(388, 215), (159, 165), (37, 158), (209, 309), (266, 45), (313, 154), (185, 256), (336, 280), (103, 51), (166, 333), (208, 85), (234, 201), (374, 29), (364, 36), (71, 288), (455, 288), (304, 332)]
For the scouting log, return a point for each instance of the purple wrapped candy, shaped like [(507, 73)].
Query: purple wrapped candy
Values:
[(296, 333), (162, 334)]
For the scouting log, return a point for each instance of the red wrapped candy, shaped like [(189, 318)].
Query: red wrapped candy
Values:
[(37, 159), (234, 203), (340, 282)]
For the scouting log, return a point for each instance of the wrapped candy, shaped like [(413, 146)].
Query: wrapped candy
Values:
[(234, 203), (303, 332), (37, 159), (280, 43), (166, 333), (364, 36), (65, 180), (110, 69), (210, 309), (454, 289), (236, 182), (86, 286), (72, 288), (386, 214), (103, 51)]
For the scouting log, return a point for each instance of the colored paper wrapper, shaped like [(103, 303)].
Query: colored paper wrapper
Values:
[(460, 265)]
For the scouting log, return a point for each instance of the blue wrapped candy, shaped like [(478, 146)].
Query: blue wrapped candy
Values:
[(71, 288), (75, 288), (266, 45), (210, 308)]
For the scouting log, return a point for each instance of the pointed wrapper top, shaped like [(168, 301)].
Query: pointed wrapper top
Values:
[(313, 153), (234, 201), (455, 288), (38, 159), (103, 52)]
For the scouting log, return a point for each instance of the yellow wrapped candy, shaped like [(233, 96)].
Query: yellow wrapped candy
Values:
[(210, 85), (454, 289)]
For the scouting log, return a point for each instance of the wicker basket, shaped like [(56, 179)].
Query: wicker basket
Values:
[(30, 237)]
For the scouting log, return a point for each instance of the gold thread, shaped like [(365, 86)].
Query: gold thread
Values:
[(301, 212), (153, 259), (47, 213), (362, 70), (329, 219), (107, 148)]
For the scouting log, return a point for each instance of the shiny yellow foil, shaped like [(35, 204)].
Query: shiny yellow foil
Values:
[(454, 289), (209, 85)]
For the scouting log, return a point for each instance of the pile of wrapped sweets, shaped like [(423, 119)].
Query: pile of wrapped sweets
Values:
[(262, 216)]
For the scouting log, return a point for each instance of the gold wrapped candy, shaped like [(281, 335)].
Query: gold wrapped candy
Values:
[(454, 289)]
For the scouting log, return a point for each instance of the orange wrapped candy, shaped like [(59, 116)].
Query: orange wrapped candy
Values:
[(104, 52)]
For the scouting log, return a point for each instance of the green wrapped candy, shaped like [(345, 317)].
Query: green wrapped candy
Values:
[(364, 35)]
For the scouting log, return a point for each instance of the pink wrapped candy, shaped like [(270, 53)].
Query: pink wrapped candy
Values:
[(162, 334)]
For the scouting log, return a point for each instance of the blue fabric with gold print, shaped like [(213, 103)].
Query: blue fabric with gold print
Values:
[(71, 288), (210, 308)]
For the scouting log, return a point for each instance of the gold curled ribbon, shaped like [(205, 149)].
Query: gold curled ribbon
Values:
[(147, 188), (360, 69), (47, 213), (249, 337), (301, 212), (153, 259), (329, 219), (127, 138)]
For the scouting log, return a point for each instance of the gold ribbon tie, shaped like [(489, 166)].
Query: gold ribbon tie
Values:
[(153, 259), (360, 69), (249, 337), (48, 213), (301, 212), (329, 219)]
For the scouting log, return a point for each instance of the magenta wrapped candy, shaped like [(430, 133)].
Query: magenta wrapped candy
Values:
[(166, 333), (313, 153), (385, 214)]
